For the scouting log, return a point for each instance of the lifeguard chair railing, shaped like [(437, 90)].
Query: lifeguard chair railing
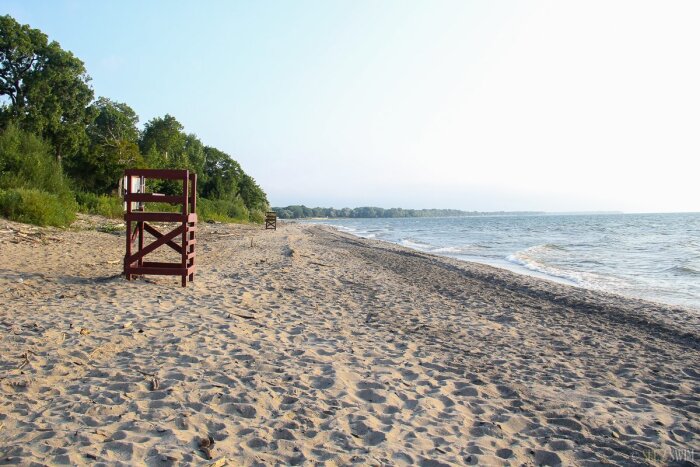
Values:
[(139, 222)]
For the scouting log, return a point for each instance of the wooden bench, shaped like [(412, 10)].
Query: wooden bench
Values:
[(271, 220)]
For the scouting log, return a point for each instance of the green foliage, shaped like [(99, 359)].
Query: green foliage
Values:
[(222, 210), (166, 145), (221, 175), (32, 186), (113, 147), (48, 127), (26, 162), (163, 141), (114, 121), (46, 85), (163, 207), (253, 196), (257, 216), (103, 205), (37, 207)]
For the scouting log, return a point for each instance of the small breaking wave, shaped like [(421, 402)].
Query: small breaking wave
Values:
[(448, 249), (415, 244), (469, 249), (531, 259), (683, 271), (532, 264)]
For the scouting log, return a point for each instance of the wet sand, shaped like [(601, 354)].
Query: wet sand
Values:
[(306, 345)]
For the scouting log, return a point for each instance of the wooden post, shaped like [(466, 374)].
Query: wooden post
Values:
[(128, 229), (192, 226), (185, 212)]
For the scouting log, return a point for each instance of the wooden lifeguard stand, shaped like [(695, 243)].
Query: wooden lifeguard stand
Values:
[(271, 220), (135, 196)]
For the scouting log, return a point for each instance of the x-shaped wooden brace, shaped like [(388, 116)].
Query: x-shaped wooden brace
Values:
[(161, 239)]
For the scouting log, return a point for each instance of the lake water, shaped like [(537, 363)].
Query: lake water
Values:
[(650, 256)]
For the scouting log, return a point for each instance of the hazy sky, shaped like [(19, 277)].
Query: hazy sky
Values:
[(508, 105)]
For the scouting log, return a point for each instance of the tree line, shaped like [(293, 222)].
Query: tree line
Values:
[(301, 212), (60, 144)]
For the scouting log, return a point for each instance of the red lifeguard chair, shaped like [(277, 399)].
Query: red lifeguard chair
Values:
[(135, 197)]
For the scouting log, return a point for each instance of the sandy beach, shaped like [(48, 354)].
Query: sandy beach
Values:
[(306, 346)]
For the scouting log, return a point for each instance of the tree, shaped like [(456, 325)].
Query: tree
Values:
[(164, 139), (253, 196), (114, 121), (47, 87), (113, 147), (194, 156), (221, 175)]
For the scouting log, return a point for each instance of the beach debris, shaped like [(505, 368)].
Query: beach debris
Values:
[(155, 384), (126, 325), (219, 462), (95, 350), (243, 316), (84, 331), (206, 445), (25, 357)]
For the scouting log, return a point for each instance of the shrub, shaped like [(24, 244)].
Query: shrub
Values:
[(110, 206), (38, 207), (222, 210), (103, 205), (257, 216), (87, 202), (33, 188), (26, 162)]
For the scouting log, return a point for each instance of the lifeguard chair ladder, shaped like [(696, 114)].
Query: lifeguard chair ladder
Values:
[(134, 263)]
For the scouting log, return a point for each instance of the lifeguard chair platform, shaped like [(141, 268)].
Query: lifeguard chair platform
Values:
[(139, 222)]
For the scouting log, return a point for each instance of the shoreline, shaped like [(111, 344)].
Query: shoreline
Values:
[(306, 345), (560, 292), (517, 267)]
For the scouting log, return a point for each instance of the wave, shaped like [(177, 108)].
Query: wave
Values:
[(343, 228), (448, 249), (545, 247), (683, 271), (533, 265), (531, 259), (469, 249), (415, 244)]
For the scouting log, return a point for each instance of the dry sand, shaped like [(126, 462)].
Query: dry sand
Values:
[(311, 346)]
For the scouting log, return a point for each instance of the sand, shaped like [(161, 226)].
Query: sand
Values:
[(307, 346)]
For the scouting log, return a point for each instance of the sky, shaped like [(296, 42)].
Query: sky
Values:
[(475, 105)]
